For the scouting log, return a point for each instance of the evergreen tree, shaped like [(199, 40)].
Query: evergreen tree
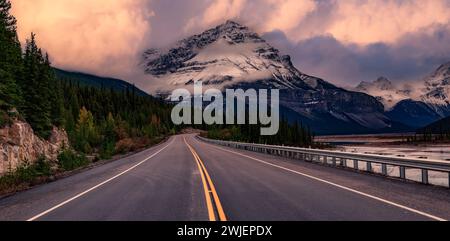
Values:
[(55, 94), (10, 59), (36, 89), (109, 138)]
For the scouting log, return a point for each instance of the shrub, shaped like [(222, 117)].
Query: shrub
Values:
[(107, 150), (25, 175), (132, 144), (69, 160), (124, 146)]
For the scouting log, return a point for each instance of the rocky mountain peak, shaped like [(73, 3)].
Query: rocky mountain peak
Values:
[(380, 84), (384, 83), (385, 91), (444, 70), (439, 78), (233, 56), (232, 26), (160, 62), (437, 87), (225, 55)]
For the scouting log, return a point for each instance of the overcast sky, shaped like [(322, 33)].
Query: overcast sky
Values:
[(342, 41)]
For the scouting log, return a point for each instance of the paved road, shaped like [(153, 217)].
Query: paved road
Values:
[(188, 180)]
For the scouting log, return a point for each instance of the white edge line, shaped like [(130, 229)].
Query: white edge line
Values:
[(98, 185), (336, 185)]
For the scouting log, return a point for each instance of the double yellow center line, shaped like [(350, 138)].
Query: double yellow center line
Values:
[(213, 203)]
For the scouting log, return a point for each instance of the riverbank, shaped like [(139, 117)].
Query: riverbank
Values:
[(388, 145)]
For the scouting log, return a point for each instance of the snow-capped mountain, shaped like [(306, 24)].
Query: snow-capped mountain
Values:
[(224, 56), (232, 56), (416, 104), (437, 87), (382, 83), (385, 91)]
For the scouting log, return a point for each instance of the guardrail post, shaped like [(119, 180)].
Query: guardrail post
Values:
[(449, 179), (402, 172), (384, 170), (318, 156), (343, 162), (425, 177)]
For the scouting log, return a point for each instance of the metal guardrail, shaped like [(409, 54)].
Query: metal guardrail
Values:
[(342, 159)]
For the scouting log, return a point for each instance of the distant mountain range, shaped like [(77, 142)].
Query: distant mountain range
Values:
[(96, 81), (416, 104), (232, 56)]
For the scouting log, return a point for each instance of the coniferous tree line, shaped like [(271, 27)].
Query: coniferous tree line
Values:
[(98, 120), (438, 131), (10, 62), (27, 86), (289, 134), (428, 137), (108, 121)]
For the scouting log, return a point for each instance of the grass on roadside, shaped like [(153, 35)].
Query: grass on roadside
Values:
[(25, 176), (42, 171)]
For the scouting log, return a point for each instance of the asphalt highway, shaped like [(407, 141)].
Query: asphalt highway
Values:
[(185, 179)]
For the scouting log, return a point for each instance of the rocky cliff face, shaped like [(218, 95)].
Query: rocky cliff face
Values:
[(19, 145)]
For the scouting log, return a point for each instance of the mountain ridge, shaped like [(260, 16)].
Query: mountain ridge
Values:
[(418, 104), (97, 81), (232, 56), (441, 126)]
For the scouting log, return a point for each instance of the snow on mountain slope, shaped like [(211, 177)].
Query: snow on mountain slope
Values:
[(433, 90), (223, 56), (385, 91), (437, 87), (415, 104), (232, 56)]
